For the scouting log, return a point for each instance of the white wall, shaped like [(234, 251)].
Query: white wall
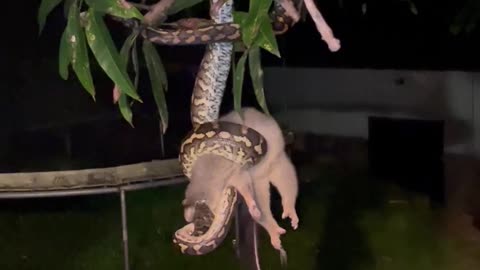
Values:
[(339, 101)]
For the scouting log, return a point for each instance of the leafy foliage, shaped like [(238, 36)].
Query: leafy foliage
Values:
[(467, 18), (257, 33), (251, 25), (256, 73), (123, 102), (63, 56), (73, 50), (256, 30), (78, 49), (115, 8), (158, 80), (238, 76), (66, 6), (85, 25), (46, 6), (106, 54)]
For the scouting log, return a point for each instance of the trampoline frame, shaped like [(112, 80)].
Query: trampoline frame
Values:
[(121, 190), (245, 228)]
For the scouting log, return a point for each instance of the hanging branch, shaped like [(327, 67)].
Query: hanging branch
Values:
[(157, 12)]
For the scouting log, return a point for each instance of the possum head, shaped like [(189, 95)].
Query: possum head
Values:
[(210, 176)]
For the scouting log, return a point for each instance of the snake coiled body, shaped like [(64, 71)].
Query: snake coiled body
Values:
[(237, 143), (240, 144), (193, 242)]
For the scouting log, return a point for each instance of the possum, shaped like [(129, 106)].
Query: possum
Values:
[(211, 174)]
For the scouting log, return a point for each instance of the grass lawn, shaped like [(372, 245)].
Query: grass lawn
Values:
[(346, 223)]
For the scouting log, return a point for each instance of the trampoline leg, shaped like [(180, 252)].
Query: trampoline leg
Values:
[(124, 230), (246, 238)]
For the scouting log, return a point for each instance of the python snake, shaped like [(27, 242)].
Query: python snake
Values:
[(195, 31), (240, 144)]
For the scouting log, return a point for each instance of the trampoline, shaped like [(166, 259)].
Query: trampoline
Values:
[(121, 179)]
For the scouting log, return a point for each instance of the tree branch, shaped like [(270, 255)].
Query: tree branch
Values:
[(158, 12), (140, 6)]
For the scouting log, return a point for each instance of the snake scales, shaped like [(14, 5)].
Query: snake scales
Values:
[(194, 31), (234, 142)]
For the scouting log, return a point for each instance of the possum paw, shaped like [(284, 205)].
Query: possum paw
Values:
[(292, 214), (280, 231), (254, 211), (275, 237), (276, 242)]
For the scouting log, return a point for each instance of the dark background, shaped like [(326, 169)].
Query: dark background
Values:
[(387, 36)]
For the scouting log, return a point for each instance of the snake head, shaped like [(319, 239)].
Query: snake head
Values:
[(215, 6), (204, 189), (207, 230), (191, 208)]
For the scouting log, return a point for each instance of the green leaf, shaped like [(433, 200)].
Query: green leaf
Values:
[(159, 69), (263, 37), (104, 50), (251, 25), (125, 109), (239, 17), (119, 8), (249, 32), (266, 37), (158, 80), (46, 6), (238, 76), (64, 56), (256, 73), (78, 49), (238, 46), (180, 5), (80, 61), (136, 66), (66, 6), (263, 6), (258, 7), (125, 50), (123, 103)]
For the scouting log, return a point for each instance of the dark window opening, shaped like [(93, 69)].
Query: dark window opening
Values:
[(408, 152)]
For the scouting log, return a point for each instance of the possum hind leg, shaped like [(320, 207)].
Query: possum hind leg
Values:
[(283, 176), (262, 194), (242, 181)]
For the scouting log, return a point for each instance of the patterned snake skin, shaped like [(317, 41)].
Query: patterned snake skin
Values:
[(194, 31), (237, 143)]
